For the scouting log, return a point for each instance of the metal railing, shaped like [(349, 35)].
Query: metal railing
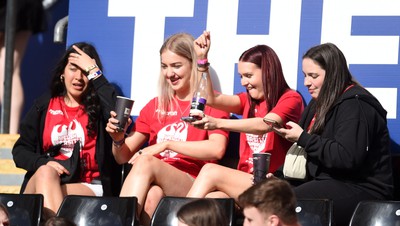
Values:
[(9, 43), (59, 30)]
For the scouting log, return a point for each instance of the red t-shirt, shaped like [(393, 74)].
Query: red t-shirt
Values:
[(173, 128), (289, 108), (67, 125)]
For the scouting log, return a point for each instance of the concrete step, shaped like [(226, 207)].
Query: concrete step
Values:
[(11, 177)]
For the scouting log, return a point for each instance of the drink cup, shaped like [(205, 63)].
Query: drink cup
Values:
[(261, 166), (123, 109)]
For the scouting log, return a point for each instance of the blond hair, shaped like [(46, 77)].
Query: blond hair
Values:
[(182, 45)]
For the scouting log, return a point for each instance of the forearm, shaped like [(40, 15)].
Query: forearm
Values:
[(210, 89), (130, 145), (250, 125), (211, 149), (121, 153)]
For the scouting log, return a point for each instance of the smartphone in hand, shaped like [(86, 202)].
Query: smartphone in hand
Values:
[(274, 124), (188, 119)]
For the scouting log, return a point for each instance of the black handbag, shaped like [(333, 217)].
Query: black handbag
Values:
[(72, 164)]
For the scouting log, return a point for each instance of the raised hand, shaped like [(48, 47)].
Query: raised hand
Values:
[(202, 45)]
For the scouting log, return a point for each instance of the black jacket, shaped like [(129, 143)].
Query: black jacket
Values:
[(354, 146), (28, 152)]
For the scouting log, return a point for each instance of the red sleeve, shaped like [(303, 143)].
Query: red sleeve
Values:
[(289, 107), (243, 100), (142, 122)]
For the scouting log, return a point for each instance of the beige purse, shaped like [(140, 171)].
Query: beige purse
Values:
[(295, 163)]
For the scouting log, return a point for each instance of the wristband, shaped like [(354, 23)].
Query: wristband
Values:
[(203, 65), (88, 69), (202, 61), (202, 69), (94, 75), (119, 143)]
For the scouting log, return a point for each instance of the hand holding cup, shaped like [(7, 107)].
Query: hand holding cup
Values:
[(123, 109), (260, 166)]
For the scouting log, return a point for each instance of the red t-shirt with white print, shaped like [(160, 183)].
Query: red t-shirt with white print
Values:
[(171, 127), (67, 125), (289, 108)]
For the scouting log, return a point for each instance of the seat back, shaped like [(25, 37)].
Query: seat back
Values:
[(98, 211), (165, 213), (24, 209), (376, 212), (314, 212)]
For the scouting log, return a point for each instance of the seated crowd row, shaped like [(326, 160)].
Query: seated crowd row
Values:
[(343, 131), (271, 201)]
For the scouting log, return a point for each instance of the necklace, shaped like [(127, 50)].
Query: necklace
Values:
[(179, 106), (64, 105)]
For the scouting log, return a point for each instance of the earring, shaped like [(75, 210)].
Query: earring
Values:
[(62, 78)]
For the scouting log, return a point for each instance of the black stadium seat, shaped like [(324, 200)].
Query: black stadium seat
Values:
[(99, 211)]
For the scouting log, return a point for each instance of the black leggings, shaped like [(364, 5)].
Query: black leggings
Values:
[(345, 197)]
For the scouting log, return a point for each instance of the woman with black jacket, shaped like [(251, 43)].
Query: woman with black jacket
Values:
[(63, 144), (344, 133)]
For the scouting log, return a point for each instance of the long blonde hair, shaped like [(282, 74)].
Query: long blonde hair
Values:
[(182, 45)]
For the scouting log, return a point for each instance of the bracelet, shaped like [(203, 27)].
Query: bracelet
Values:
[(88, 69), (94, 75), (203, 63), (202, 69), (119, 143)]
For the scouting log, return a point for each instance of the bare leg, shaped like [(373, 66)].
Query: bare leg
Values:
[(17, 92), (46, 181), (217, 194), (148, 170), (154, 196), (218, 181), (17, 101)]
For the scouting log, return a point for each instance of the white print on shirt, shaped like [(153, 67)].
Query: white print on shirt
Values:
[(68, 135), (176, 132), (56, 112), (169, 113), (256, 144)]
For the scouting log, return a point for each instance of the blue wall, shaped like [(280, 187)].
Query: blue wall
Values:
[(128, 35), (41, 56)]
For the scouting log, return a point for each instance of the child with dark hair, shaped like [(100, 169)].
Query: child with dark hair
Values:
[(270, 202), (58, 221), (202, 212)]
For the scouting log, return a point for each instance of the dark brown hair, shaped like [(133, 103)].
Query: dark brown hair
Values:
[(271, 196), (274, 83), (337, 78), (202, 212)]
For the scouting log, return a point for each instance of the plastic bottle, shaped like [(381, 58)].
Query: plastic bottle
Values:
[(200, 96)]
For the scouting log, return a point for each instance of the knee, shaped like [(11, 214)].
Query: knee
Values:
[(209, 171), (216, 195), (46, 173), (142, 166)]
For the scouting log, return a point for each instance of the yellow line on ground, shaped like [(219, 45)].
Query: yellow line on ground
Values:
[(8, 140), (10, 189), (7, 166)]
